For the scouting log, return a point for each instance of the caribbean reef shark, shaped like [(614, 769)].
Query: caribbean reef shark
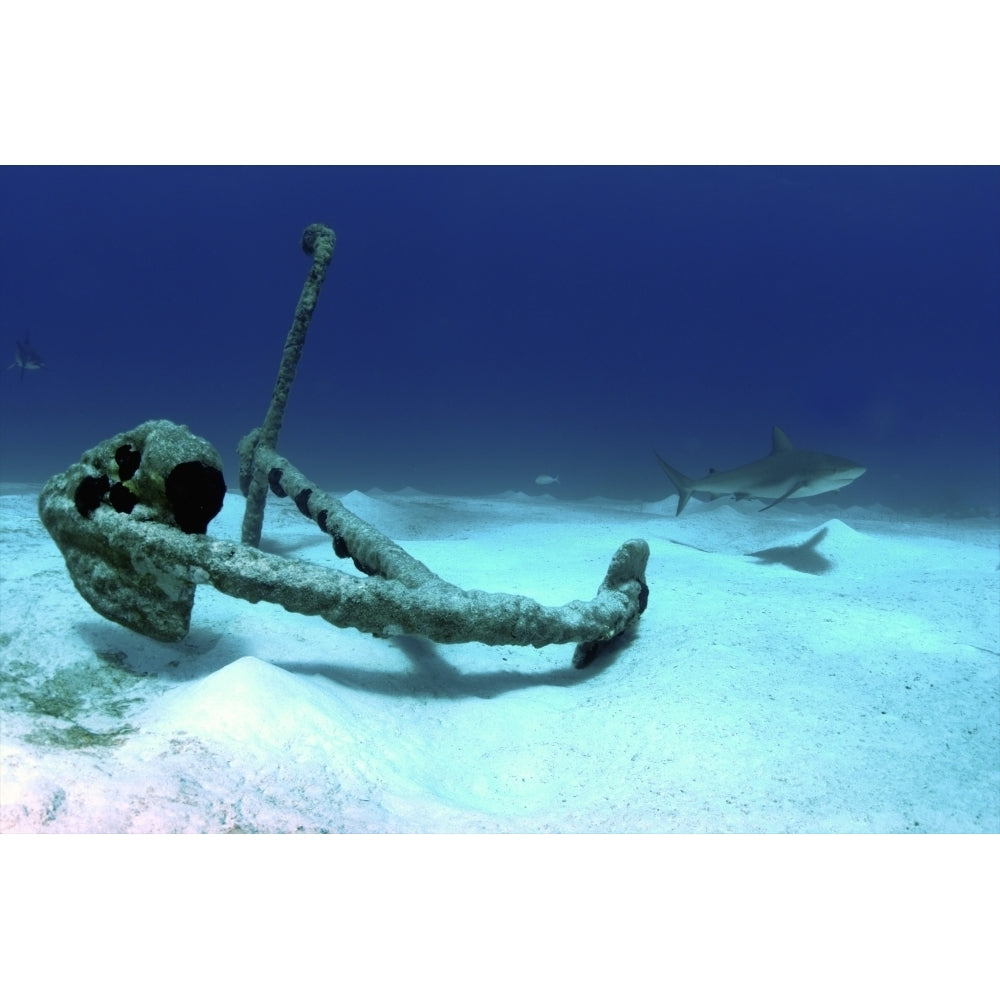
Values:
[(785, 473), (26, 358)]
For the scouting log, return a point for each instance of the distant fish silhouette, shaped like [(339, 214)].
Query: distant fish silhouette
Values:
[(26, 358), (546, 480)]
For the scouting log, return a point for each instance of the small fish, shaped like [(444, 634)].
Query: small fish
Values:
[(26, 358), (546, 480)]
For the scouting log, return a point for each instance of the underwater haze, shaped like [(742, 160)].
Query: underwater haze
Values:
[(482, 327), (497, 359)]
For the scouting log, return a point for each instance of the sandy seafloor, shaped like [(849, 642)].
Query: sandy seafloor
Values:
[(849, 683)]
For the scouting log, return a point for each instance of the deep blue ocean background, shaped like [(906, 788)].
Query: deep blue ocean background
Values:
[(480, 326)]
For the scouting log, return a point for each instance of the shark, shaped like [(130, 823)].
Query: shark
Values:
[(26, 358), (782, 475)]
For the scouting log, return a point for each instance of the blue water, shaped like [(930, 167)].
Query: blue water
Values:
[(479, 327)]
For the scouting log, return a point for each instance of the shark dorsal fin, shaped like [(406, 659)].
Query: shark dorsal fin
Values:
[(779, 441)]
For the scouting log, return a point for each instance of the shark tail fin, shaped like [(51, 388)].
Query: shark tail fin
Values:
[(683, 485)]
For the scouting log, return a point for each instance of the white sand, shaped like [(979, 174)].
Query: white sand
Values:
[(848, 685)]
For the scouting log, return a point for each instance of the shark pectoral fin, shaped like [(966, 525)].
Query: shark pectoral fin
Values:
[(786, 495)]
